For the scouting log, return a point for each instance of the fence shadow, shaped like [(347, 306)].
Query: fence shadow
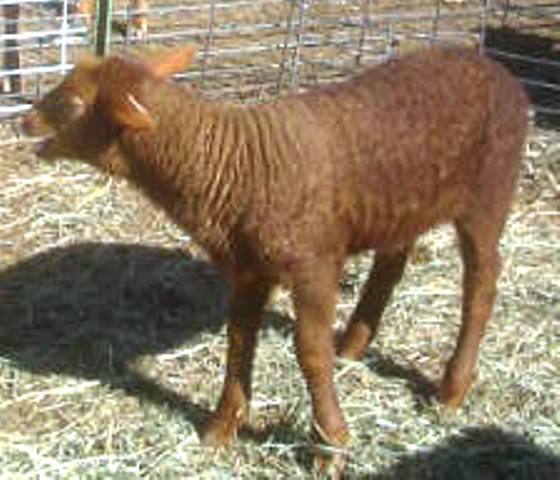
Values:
[(91, 310), (541, 76), (478, 453)]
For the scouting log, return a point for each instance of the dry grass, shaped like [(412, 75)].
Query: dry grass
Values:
[(112, 345)]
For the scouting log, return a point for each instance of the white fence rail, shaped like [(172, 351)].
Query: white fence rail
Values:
[(251, 49)]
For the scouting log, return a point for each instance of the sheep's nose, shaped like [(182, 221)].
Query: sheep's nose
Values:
[(29, 123), (25, 125)]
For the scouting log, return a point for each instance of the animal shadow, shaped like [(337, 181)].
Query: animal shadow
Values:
[(90, 310), (534, 59), (487, 453), (423, 389)]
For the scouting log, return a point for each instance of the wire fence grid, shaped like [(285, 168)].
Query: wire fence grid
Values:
[(254, 49)]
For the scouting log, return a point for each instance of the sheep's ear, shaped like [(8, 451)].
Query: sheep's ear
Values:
[(126, 110), (170, 62), (118, 94), (89, 66), (85, 77)]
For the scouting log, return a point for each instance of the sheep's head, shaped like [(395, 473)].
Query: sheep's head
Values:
[(84, 115)]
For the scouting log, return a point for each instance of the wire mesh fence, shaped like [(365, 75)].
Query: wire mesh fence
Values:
[(526, 37), (254, 49)]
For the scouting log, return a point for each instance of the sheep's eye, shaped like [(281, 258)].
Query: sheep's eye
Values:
[(76, 101), (60, 110), (74, 107)]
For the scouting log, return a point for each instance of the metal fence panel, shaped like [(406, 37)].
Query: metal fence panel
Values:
[(254, 49)]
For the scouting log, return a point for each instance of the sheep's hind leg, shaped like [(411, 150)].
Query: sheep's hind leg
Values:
[(386, 273), (245, 319), (479, 250)]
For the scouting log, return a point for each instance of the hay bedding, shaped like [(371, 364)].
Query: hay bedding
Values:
[(112, 344)]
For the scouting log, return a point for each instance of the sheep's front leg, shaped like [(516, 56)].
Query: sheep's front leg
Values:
[(386, 273), (247, 303), (315, 309)]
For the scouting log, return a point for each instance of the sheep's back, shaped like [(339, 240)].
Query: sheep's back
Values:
[(406, 139)]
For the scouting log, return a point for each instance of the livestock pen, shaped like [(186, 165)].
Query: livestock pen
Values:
[(112, 340)]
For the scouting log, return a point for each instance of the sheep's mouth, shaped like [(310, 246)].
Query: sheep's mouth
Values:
[(42, 135), (43, 140), (43, 145)]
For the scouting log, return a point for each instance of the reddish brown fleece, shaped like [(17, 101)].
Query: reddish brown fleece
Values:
[(282, 193)]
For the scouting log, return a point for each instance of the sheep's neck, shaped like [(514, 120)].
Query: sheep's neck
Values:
[(194, 165)]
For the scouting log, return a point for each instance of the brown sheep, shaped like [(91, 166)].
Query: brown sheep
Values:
[(281, 193), (139, 17)]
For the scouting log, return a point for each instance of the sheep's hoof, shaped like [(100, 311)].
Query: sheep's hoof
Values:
[(352, 343), (330, 452), (329, 464), (349, 354), (452, 393), (219, 433), (450, 399)]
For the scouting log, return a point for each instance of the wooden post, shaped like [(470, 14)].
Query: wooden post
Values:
[(103, 14)]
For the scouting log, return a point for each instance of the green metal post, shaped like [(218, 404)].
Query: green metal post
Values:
[(103, 14)]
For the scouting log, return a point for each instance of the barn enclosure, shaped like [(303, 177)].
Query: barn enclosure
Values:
[(252, 49)]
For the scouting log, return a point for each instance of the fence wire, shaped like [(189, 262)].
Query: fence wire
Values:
[(254, 49)]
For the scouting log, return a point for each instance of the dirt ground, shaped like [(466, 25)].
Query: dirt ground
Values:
[(112, 346)]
